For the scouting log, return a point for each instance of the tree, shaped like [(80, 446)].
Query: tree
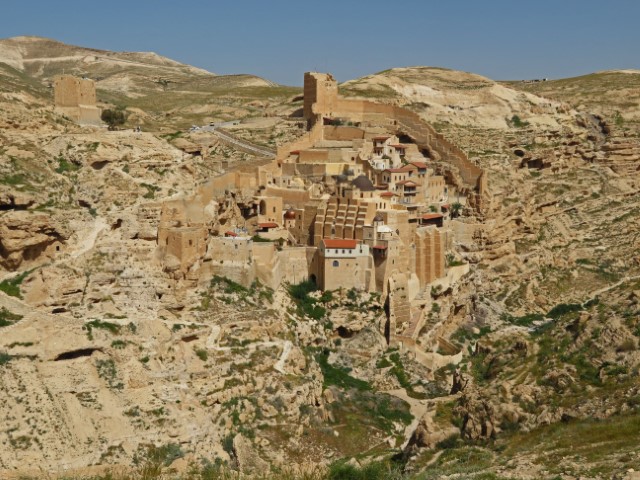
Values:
[(455, 209), (113, 117)]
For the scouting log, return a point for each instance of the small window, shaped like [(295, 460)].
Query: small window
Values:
[(190, 243), (274, 209), (336, 263)]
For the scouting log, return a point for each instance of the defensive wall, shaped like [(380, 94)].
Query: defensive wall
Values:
[(321, 100)]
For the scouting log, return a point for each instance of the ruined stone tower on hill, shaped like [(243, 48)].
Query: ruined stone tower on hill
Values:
[(76, 99)]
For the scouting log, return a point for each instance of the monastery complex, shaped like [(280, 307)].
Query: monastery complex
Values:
[(362, 200)]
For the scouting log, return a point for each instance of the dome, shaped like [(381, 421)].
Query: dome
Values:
[(290, 214), (378, 218), (363, 184)]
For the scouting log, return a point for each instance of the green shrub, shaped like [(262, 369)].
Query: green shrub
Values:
[(403, 379), (372, 471), (65, 166), (11, 286), (114, 117), (563, 309), (114, 328), (517, 122), (202, 354), (118, 344), (229, 286), (4, 358), (151, 190), (7, 318), (307, 305), (339, 376), (525, 320)]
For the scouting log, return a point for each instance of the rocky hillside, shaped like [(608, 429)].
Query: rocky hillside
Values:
[(44, 58), (612, 93), (101, 357), (159, 93), (459, 98)]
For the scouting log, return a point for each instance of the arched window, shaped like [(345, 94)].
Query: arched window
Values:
[(336, 263)]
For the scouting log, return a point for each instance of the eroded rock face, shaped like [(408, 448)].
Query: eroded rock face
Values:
[(478, 415), (428, 434), (26, 236), (246, 457)]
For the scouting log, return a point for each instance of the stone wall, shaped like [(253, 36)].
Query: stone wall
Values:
[(429, 256), (343, 133), (321, 99), (355, 272), (304, 142), (232, 258)]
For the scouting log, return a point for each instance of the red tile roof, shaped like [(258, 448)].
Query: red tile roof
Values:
[(230, 234), (381, 138), (294, 152), (419, 164), (431, 216), (408, 183), (339, 243), (380, 247), (388, 194), (445, 206), (268, 225)]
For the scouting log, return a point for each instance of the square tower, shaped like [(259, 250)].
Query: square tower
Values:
[(320, 94)]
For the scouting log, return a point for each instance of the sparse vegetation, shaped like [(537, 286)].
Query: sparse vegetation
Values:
[(307, 305), (11, 286), (339, 376), (7, 318), (114, 117)]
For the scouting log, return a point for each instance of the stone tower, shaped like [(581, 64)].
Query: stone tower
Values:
[(76, 99), (320, 95)]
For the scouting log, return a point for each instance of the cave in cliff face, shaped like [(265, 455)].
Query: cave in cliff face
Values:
[(79, 353)]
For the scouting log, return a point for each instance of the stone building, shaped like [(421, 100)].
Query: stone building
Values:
[(75, 98), (344, 264)]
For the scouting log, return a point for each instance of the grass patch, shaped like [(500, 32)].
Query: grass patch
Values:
[(4, 358), (7, 318), (151, 190), (65, 166), (307, 305), (339, 376), (113, 328), (11, 286), (403, 379)]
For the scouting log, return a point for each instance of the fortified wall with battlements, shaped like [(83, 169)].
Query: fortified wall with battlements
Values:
[(321, 100), (75, 98), (343, 206)]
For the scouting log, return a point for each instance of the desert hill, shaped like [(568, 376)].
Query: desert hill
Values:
[(44, 58), (612, 93), (155, 87), (100, 356), (449, 96)]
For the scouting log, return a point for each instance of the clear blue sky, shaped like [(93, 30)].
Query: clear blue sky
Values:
[(280, 39)]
